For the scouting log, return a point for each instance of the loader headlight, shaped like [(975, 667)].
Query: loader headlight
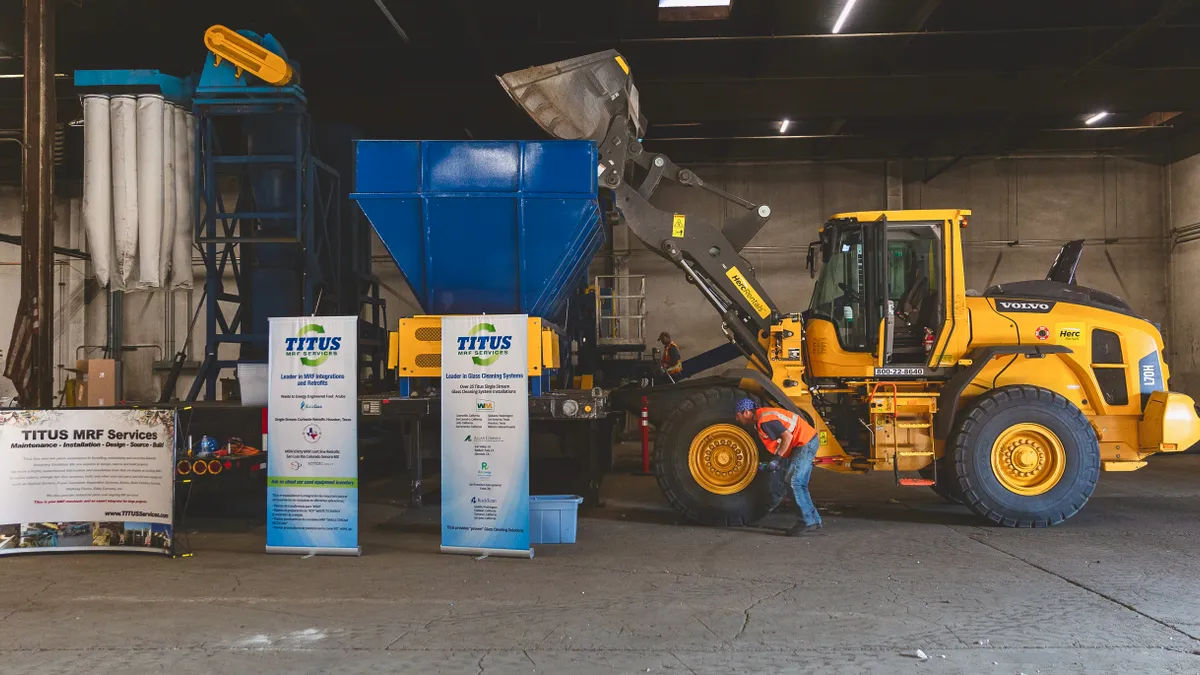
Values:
[(570, 408)]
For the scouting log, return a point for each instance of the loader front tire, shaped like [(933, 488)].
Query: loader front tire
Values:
[(707, 465), (1025, 456)]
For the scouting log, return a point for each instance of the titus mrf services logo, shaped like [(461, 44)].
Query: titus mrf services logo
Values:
[(312, 348), (483, 345)]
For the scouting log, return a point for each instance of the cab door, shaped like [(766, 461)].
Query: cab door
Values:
[(878, 308), (847, 314)]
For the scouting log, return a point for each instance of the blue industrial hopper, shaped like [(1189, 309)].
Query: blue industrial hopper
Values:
[(496, 227)]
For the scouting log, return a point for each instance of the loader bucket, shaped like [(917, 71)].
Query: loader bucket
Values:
[(576, 99)]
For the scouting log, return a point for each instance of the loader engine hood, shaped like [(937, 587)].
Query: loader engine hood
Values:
[(578, 98)]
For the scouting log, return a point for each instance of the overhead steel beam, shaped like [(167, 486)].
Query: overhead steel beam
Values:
[(916, 26), (833, 131), (1181, 146), (387, 13), (924, 13), (1168, 9), (894, 136), (957, 94), (906, 35), (917, 23)]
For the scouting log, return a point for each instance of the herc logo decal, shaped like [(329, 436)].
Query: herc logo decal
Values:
[(748, 292), (1069, 333), (484, 348), (312, 349)]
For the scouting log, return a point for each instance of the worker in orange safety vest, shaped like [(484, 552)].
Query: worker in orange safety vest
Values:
[(794, 443), (672, 361)]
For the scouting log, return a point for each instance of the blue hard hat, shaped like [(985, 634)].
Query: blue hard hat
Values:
[(746, 405)]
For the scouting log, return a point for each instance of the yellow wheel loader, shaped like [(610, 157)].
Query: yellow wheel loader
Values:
[(1011, 402)]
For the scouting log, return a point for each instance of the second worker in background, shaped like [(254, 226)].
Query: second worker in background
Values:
[(672, 361)]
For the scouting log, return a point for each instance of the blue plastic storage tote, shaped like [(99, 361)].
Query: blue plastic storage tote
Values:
[(552, 518)]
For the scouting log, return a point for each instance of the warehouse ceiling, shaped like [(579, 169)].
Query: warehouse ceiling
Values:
[(940, 80)]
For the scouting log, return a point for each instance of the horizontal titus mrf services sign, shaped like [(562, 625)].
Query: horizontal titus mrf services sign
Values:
[(312, 436), (485, 435), (87, 480)]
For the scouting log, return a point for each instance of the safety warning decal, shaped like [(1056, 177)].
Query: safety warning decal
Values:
[(677, 225), (824, 436), (1042, 333)]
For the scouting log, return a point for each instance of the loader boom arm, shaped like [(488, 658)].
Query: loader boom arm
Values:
[(593, 97), (708, 254)]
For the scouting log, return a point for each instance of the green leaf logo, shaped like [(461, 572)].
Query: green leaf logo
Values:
[(486, 360), (307, 330)]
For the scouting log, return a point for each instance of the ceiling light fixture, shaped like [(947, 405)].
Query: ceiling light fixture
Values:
[(837, 27), (694, 10), (1095, 118), (783, 126), (21, 76), (694, 3)]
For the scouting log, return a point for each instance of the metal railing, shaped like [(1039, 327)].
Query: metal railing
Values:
[(620, 309)]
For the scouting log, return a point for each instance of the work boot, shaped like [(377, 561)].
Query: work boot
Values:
[(800, 529)]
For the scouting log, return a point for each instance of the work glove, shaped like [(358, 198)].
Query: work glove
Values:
[(771, 466)]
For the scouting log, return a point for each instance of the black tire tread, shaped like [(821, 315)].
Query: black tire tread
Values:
[(666, 441), (984, 407)]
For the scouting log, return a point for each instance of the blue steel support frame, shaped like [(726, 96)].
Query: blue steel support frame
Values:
[(227, 238)]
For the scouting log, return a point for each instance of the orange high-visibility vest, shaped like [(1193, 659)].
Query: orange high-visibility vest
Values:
[(802, 432), (666, 360)]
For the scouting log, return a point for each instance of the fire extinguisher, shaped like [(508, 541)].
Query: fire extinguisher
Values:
[(928, 341)]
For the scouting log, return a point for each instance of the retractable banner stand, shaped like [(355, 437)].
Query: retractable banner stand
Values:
[(485, 435), (312, 439), (87, 480)]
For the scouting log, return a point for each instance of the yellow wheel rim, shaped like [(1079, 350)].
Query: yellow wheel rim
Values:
[(723, 459), (1028, 459)]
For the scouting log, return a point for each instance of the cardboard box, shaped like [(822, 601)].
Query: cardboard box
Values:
[(98, 382), (102, 383)]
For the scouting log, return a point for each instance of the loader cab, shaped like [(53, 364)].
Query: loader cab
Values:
[(879, 297)]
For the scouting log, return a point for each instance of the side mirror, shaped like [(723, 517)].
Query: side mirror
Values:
[(810, 260)]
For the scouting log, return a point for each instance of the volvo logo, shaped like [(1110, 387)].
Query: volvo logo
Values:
[(1024, 306)]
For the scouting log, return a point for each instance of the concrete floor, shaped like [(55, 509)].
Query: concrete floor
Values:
[(1114, 590)]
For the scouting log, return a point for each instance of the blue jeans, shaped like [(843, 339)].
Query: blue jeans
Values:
[(798, 472)]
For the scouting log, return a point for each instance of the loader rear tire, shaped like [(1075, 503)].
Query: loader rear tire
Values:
[(745, 496), (1025, 456)]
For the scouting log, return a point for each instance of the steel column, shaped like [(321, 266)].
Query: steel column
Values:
[(37, 229)]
